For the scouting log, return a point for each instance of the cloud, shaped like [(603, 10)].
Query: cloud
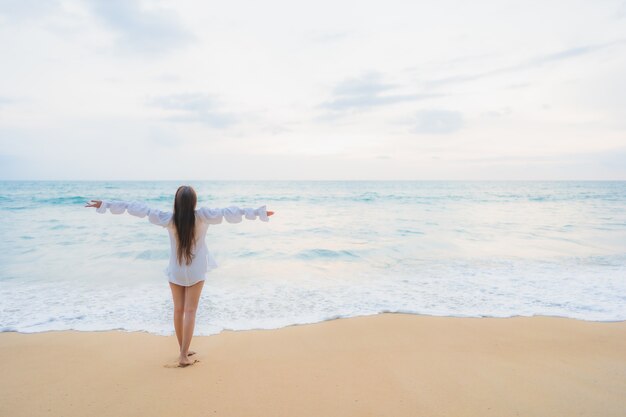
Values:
[(4, 101), (328, 37), (569, 53), (195, 108), (621, 11), (613, 159), (147, 31), (368, 84), (366, 92), (531, 63), (10, 167), (502, 112), (516, 86), (26, 9), (437, 121), (609, 163)]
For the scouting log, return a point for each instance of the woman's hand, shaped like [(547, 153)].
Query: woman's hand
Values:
[(94, 203), (269, 213)]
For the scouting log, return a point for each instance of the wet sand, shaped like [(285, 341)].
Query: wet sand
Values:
[(384, 365)]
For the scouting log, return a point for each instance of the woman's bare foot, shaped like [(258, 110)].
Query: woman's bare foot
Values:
[(184, 361), (181, 364)]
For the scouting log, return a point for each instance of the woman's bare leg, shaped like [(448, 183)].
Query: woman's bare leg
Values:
[(192, 297), (178, 294)]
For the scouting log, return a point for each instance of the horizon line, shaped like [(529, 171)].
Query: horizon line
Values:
[(316, 180)]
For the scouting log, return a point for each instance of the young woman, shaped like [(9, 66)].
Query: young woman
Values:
[(190, 259)]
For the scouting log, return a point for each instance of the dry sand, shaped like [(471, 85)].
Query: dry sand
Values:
[(385, 365)]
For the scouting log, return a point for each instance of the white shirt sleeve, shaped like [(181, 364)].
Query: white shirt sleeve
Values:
[(232, 214), (135, 208)]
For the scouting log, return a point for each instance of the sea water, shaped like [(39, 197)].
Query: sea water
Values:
[(333, 249)]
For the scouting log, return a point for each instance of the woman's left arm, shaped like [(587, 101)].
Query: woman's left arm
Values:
[(233, 214), (134, 208)]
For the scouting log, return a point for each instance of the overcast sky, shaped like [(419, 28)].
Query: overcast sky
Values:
[(124, 89)]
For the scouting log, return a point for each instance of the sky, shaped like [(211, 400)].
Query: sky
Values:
[(318, 90)]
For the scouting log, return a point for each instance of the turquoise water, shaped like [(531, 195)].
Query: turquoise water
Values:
[(333, 249)]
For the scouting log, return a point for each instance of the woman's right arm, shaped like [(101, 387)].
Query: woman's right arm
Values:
[(134, 208)]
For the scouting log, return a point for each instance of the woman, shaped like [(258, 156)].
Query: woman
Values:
[(189, 258)]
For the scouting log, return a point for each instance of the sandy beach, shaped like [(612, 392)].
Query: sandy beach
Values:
[(383, 365)]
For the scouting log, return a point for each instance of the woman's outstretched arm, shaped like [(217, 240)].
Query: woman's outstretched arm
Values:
[(135, 208), (232, 214)]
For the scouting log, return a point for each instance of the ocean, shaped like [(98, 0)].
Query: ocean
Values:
[(333, 249)]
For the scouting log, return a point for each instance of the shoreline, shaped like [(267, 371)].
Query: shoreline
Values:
[(386, 364), (121, 330)]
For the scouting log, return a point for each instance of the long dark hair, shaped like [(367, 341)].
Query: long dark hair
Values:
[(185, 221)]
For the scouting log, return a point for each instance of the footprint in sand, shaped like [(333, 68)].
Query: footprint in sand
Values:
[(177, 365)]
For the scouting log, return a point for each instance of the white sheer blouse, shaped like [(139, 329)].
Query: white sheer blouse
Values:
[(203, 261)]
